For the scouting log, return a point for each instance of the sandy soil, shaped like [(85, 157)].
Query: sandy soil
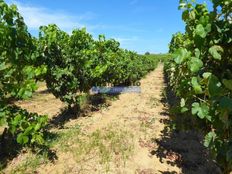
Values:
[(42, 102), (145, 118)]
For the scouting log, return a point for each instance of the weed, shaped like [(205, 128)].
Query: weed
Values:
[(30, 163), (104, 146), (146, 123), (154, 102)]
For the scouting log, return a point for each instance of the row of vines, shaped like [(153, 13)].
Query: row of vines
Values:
[(70, 64), (200, 73)]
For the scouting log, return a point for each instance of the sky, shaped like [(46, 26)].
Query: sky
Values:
[(139, 25)]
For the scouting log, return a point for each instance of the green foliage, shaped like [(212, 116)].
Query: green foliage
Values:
[(18, 76), (70, 64), (178, 41), (75, 63), (27, 127), (64, 65), (200, 73)]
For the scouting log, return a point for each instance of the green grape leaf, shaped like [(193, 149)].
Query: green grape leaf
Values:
[(2, 120), (214, 86), (27, 94), (200, 31), (197, 53), (182, 4), (22, 139), (181, 55), (37, 138), (227, 83), (182, 102), (206, 75), (201, 110), (192, 15), (195, 108), (208, 28), (184, 109), (3, 66), (195, 64), (215, 52), (209, 139), (196, 86), (28, 130), (17, 119), (185, 15), (37, 127)]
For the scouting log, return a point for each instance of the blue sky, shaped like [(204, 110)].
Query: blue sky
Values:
[(139, 25)]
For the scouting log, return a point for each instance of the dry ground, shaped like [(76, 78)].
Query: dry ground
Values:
[(131, 136)]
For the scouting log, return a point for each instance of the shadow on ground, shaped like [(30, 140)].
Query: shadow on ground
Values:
[(180, 146), (91, 103), (10, 149)]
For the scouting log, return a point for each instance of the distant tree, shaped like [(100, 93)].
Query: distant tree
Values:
[(147, 53)]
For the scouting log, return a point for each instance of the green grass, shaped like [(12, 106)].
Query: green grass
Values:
[(101, 145), (30, 163), (146, 124), (154, 102)]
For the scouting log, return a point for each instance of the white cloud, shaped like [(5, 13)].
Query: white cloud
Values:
[(126, 41), (35, 17), (121, 39)]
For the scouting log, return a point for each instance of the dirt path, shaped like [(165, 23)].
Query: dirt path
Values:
[(119, 139), (139, 115)]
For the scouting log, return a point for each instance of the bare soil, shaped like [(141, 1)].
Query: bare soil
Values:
[(144, 120)]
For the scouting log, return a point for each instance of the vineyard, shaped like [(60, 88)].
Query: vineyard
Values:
[(50, 122), (201, 74)]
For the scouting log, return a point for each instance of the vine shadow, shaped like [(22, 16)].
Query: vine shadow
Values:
[(180, 143), (10, 149), (92, 103)]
